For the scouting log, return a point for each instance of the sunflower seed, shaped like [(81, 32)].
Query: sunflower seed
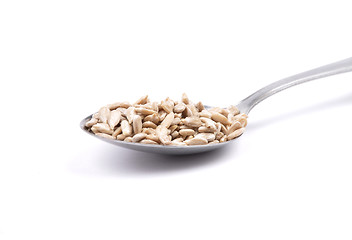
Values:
[(96, 115), (102, 128), (153, 137), (91, 122), (142, 100), (104, 114), (185, 99), (200, 106), (208, 122), (163, 136), (223, 139), (175, 134), (168, 106), (234, 126), (187, 112), (242, 118), (144, 111), (104, 135), (167, 120), (149, 130), (179, 108), (138, 137), (189, 137), (162, 115), (177, 143), (218, 117), (235, 134), (153, 118), (148, 141), (178, 140), (214, 142), (208, 136), (176, 121), (130, 113), (203, 129), (155, 106), (205, 113), (222, 111), (196, 141), (115, 117), (126, 128), (120, 137), (137, 124), (128, 139), (117, 132), (173, 128), (192, 122), (233, 110), (219, 135), (149, 124), (119, 105), (186, 132), (193, 109), (223, 128)]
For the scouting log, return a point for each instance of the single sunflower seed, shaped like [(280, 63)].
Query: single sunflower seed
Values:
[(148, 141), (153, 118), (142, 100), (91, 122), (114, 119), (149, 124), (137, 124), (167, 120), (192, 121), (104, 135), (153, 137), (130, 113), (208, 136), (196, 141), (162, 133), (144, 111), (102, 128), (116, 105), (185, 98), (167, 105), (104, 114), (180, 107), (234, 126), (186, 132), (235, 134), (139, 137), (218, 117), (117, 132), (126, 128)]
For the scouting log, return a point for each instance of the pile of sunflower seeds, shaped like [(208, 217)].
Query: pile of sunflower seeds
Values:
[(169, 122)]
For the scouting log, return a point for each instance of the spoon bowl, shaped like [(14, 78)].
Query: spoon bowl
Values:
[(244, 106), (160, 149)]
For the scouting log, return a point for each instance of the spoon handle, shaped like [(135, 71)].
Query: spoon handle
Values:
[(248, 103)]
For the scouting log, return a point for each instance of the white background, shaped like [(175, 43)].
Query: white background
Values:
[(288, 177)]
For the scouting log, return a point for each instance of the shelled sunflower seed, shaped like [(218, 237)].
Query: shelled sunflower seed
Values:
[(169, 122)]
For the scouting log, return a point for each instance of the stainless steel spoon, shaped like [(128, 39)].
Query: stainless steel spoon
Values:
[(244, 106)]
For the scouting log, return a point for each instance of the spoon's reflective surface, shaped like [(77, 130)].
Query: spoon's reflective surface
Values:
[(244, 106)]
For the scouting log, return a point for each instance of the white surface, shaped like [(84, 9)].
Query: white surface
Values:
[(288, 177)]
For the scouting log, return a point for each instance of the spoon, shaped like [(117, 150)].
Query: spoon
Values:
[(245, 106)]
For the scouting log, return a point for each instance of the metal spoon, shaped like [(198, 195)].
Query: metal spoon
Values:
[(244, 106)]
